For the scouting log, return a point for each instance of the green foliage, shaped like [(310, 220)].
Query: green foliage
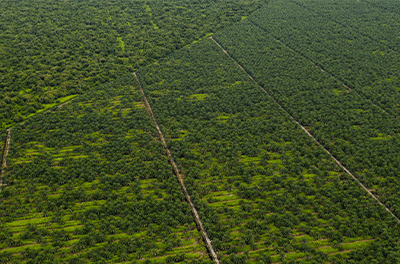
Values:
[(359, 134), (374, 26), (89, 181), (3, 138), (265, 192), (96, 172), (354, 41), (52, 49)]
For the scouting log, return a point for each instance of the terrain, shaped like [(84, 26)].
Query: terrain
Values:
[(274, 139), (54, 50)]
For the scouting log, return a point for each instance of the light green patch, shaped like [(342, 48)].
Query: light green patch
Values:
[(221, 194), (244, 17), (222, 117), (288, 256), (68, 148), (228, 203), (338, 92), (121, 43), (79, 156), (139, 105), (24, 91), (183, 133), (247, 159), (147, 8), (381, 137), (198, 96), (302, 237), (20, 249), (356, 245), (194, 42), (309, 175), (158, 92), (284, 143), (133, 132), (31, 152), (328, 250), (378, 52), (226, 198), (275, 161), (28, 221), (67, 98), (154, 24), (48, 106)]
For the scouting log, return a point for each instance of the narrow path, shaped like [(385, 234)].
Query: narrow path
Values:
[(61, 105), (240, 66), (5, 153), (320, 68), (312, 137), (180, 178)]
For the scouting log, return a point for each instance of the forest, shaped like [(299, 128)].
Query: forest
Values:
[(161, 132), (53, 50), (91, 182), (356, 131), (349, 50), (263, 189)]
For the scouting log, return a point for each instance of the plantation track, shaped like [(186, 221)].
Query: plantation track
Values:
[(311, 136), (5, 153), (180, 178)]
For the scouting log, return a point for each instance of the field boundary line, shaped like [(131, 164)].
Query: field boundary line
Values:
[(312, 137), (5, 153), (179, 176), (321, 69)]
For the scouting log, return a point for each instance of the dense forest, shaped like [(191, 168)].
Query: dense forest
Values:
[(265, 191), (381, 25), (343, 48), (51, 50), (358, 133), (252, 117), (3, 138), (364, 17), (90, 181)]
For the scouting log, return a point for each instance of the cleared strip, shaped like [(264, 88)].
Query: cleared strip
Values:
[(180, 178), (309, 134), (5, 153)]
